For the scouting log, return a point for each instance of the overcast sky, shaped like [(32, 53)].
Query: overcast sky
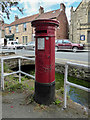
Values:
[(32, 7)]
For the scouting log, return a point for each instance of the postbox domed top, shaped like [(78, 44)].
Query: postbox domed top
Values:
[(48, 22)]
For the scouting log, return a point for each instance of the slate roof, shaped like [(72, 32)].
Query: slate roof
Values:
[(23, 20), (47, 15), (78, 6)]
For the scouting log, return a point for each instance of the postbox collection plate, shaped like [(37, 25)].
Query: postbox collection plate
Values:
[(41, 43)]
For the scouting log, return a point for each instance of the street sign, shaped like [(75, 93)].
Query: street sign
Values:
[(82, 37)]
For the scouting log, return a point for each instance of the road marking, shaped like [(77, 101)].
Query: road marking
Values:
[(73, 61)]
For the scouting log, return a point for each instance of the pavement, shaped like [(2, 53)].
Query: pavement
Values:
[(14, 107)]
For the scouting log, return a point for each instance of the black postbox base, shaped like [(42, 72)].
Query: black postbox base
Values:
[(44, 93)]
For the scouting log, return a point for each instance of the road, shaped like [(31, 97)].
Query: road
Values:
[(60, 56), (79, 57)]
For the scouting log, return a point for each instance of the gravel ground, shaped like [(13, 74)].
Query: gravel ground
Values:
[(13, 107)]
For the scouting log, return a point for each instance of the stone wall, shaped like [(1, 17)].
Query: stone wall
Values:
[(75, 71), (78, 72), (79, 23), (13, 63)]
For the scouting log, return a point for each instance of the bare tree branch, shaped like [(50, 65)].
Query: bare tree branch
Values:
[(6, 5)]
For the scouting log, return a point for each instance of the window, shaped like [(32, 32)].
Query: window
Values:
[(25, 39), (59, 41), (5, 31), (89, 17), (88, 37), (66, 42), (9, 29), (24, 27), (16, 28)]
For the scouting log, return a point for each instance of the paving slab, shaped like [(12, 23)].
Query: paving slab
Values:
[(12, 107)]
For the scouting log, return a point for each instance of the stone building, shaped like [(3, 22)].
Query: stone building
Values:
[(22, 30), (79, 31), (2, 30)]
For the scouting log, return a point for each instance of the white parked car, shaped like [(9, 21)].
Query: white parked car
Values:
[(30, 45), (13, 45)]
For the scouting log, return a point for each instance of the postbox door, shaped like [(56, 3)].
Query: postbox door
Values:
[(44, 60)]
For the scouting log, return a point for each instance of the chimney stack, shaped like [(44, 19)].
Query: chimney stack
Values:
[(71, 9), (1, 21), (16, 17), (41, 10), (62, 7)]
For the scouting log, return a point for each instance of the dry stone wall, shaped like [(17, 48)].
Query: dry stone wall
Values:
[(78, 72)]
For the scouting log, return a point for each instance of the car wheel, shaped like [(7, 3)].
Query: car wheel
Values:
[(56, 49), (23, 48), (15, 48), (34, 48), (75, 49)]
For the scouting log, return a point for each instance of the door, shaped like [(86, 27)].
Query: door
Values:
[(66, 44), (60, 45), (5, 42), (88, 37)]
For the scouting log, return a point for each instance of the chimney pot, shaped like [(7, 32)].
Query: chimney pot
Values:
[(16, 17), (41, 10), (62, 7)]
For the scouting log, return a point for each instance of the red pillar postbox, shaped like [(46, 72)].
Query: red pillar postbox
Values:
[(45, 60)]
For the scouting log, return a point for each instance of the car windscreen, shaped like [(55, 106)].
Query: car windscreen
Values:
[(15, 43), (32, 42), (59, 41), (66, 42)]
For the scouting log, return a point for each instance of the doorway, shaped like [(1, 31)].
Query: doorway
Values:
[(88, 37), (5, 42)]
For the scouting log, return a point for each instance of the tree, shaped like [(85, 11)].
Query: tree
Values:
[(5, 7)]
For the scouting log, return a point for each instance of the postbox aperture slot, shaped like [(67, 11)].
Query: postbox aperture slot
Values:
[(41, 31), (40, 43)]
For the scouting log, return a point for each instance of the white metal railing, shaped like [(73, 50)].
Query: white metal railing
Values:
[(0, 48), (66, 82), (19, 71)]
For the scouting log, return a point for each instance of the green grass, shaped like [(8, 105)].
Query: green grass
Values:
[(79, 81), (12, 84), (59, 80), (57, 101)]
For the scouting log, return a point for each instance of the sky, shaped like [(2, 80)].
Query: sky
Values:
[(31, 7)]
